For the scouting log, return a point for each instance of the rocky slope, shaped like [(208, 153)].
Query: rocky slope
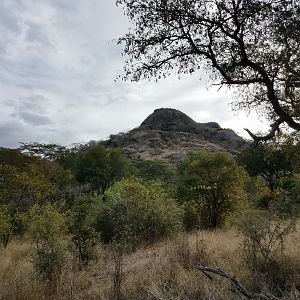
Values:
[(169, 134)]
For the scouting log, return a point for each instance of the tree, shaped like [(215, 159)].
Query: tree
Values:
[(100, 167), (156, 170), (215, 182), (21, 189), (270, 162), (28, 178), (252, 45), (48, 151)]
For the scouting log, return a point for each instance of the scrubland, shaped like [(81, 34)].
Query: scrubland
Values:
[(164, 270)]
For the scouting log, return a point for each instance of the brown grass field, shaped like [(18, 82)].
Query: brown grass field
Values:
[(163, 271)]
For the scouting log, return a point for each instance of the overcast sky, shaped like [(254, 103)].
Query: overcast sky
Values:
[(59, 62)]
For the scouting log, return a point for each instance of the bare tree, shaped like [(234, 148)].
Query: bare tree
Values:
[(252, 45)]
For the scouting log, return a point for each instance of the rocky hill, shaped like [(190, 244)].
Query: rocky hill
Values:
[(169, 134)]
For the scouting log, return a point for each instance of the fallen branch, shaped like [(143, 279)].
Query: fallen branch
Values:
[(238, 289)]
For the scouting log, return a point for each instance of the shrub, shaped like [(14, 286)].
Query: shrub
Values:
[(6, 225), (191, 215), (138, 213), (82, 227), (263, 235), (46, 227), (295, 189)]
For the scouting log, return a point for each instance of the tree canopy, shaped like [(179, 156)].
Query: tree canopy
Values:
[(100, 167), (271, 163), (215, 182), (252, 45)]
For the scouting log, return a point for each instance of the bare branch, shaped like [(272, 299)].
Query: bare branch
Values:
[(274, 128), (238, 289)]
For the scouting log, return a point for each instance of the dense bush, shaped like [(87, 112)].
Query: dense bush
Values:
[(215, 182), (100, 167), (82, 227), (47, 227), (156, 170), (295, 189), (6, 225), (191, 214), (138, 213)]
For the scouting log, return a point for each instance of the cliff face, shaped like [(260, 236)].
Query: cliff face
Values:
[(169, 134)]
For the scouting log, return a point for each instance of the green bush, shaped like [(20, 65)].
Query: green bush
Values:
[(215, 182), (82, 227), (138, 213), (46, 227), (6, 225), (295, 191), (191, 215)]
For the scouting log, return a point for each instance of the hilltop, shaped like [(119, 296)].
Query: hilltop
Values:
[(169, 134)]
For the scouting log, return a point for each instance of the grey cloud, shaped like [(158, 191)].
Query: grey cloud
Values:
[(11, 133), (9, 17), (31, 110), (66, 5), (35, 34), (3, 50), (34, 119), (35, 103)]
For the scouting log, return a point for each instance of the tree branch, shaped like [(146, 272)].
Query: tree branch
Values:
[(274, 128), (238, 289)]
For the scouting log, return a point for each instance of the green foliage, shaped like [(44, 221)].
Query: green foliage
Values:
[(295, 189), (215, 182), (156, 170), (269, 162), (13, 157), (26, 180), (82, 227), (46, 227), (21, 188), (138, 213), (276, 166), (101, 167), (191, 214), (6, 225)]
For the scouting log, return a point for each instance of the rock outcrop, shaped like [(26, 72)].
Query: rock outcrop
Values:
[(169, 134)]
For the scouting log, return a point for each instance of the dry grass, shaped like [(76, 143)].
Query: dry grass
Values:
[(162, 271)]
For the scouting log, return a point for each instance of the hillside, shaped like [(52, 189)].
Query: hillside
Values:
[(169, 134)]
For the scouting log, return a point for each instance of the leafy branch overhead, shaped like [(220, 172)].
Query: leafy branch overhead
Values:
[(252, 45)]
